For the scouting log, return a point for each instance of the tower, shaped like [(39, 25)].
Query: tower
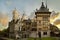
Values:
[(15, 14), (14, 25), (43, 21)]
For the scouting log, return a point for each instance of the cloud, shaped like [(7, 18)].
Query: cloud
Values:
[(58, 26), (57, 22), (8, 3), (1, 27), (3, 19), (54, 16), (55, 19)]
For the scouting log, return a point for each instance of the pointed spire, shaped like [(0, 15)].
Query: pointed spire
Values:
[(15, 14), (46, 3), (43, 8), (14, 10), (42, 4)]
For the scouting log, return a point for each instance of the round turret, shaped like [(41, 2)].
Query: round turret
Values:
[(15, 14)]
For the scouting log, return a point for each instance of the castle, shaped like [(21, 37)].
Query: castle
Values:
[(38, 27)]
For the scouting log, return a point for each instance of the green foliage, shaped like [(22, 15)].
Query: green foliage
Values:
[(49, 38), (45, 38), (4, 33)]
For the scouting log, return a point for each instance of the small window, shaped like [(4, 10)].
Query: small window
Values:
[(45, 33), (39, 28), (39, 21), (45, 18), (34, 29)]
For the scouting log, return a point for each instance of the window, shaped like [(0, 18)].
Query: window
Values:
[(45, 23), (45, 18), (39, 28), (44, 33), (34, 29), (39, 22)]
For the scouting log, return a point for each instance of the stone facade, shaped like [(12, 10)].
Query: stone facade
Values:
[(14, 25), (19, 28), (43, 21), (38, 27)]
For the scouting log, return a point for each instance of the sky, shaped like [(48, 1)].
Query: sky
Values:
[(27, 6)]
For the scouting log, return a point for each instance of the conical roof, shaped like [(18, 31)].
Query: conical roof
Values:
[(15, 14), (43, 8), (15, 11)]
